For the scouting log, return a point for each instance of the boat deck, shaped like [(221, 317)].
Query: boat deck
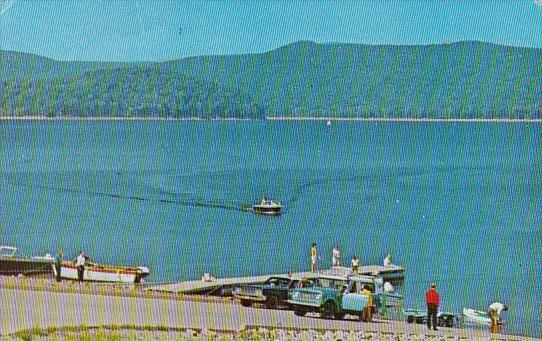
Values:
[(222, 286)]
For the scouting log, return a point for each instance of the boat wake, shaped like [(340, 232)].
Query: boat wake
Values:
[(189, 202), (371, 179)]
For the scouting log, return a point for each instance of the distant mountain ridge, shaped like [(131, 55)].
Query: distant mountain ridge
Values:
[(303, 79)]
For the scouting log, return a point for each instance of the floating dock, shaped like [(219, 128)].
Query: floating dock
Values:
[(224, 286)]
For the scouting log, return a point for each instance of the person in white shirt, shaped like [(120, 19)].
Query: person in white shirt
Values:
[(355, 264), (494, 311), (336, 256), (80, 263), (387, 260)]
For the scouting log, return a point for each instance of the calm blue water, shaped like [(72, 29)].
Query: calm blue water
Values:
[(456, 203)]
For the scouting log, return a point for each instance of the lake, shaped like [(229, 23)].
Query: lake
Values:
[(456, 203)]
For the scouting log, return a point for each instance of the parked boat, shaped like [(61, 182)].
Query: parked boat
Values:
[(477, 317), (268, 207), (104, 273), (12, 265)]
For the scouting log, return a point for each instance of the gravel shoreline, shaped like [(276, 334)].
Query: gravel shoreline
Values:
[(157, 333)]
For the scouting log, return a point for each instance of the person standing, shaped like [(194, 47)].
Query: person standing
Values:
[(80, 263), (494, 311), (58, 264), (336, 256), (387, 260), (355, 264), (367, 313), (432, 300), (313, 257)]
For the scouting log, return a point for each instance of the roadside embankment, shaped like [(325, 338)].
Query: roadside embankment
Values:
[(45, 310)]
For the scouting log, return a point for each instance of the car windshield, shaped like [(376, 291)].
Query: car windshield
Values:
[(357, 287), (6, 251), (278, 282), (306, 283)]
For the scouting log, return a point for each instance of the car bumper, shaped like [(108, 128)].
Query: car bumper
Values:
[(251, 298), (305, 304)]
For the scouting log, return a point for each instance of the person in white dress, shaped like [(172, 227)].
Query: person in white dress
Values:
[(336, 256)]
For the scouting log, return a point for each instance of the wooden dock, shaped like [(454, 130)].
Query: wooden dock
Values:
[(223, 286)]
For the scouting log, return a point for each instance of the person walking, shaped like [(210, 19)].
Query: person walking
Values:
[(494, 311), (314, 256), (336, 256), (432, 300), (80, 263), (58, 264)]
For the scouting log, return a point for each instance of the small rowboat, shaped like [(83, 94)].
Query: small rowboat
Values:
[(104, 273), (477, 317), (268, 207)]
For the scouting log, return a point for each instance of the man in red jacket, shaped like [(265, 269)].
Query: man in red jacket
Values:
[(432, 300)]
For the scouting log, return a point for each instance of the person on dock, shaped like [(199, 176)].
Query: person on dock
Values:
[(58, 264), (314, 256), (367, 313), (80, 263), (355, 264), (336, 256), (387, 260), (494, 311), (432, 301)]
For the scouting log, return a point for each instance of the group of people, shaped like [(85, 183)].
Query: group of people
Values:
[(432, 297), (432, 301), (336, 259), (80, 262)]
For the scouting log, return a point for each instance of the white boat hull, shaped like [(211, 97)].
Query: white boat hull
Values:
[(99, 273), (476, 317), (269, 208)]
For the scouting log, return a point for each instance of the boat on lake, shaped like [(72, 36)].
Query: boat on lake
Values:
[(268, 207), (13, 265), (103, 273), (477, 317)]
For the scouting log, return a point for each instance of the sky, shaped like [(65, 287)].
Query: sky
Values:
[(151, 30)]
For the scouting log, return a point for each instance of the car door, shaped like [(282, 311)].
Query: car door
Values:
[(352, 300)]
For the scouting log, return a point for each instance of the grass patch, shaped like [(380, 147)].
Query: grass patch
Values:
[(29, 334), (113, 332)]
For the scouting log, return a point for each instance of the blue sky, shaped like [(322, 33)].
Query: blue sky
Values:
[(153, 30)]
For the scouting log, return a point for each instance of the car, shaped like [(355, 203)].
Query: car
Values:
[(273, 293), (335, 296), (444, 319)]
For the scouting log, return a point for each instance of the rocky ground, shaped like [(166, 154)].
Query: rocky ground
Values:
[(150, 333)]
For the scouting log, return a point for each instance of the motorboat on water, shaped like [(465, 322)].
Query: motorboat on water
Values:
[(268, 207), (477, 317), (13, 265), (95, 272)]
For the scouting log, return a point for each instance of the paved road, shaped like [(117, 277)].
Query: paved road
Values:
[(23, 309)]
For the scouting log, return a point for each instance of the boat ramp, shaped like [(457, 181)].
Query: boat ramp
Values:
[(224, 286)]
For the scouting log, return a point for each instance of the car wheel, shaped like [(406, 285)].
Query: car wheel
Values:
[(246, 303), (410, 319), (272, 302), (299, 311), (441, 322), (449, 322), (328, 310)]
